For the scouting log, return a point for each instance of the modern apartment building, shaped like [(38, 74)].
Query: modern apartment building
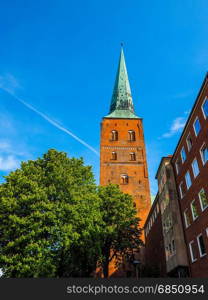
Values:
[(190, 162), (183, 199)]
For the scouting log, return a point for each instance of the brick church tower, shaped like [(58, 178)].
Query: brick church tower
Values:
[(122, 146)]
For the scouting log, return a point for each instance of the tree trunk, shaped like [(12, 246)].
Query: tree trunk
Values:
[(105, 269), (106, 262)]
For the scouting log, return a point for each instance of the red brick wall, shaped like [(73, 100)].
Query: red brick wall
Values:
[(154, 245), (110, 170), (199, 268)]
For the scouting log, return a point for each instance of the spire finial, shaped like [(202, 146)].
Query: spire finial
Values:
[(122, 44)]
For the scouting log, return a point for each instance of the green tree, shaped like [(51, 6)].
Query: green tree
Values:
[(120, 229), (49, 219)]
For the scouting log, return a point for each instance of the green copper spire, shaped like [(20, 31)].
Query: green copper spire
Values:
[(121, 102)]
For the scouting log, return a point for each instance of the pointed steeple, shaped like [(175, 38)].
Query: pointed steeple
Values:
[(121, 102)]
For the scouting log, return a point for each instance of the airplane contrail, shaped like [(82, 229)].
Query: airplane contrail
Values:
[(51, 121)]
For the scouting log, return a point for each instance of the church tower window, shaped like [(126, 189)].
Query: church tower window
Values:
[(124, 179), (114, 156), (114, 135), (131, 135), (132, 156)]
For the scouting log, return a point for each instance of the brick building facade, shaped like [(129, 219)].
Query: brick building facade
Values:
[(183, 198), (190, 162), (155, 263)]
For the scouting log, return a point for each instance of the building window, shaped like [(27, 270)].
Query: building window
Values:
[(200, 241), (192, 251), (173, 246), (204, 154), (189, 142), (205, 108), (197, 126), (187, 218), (158, 208), (188, 180), (181, 190), (177, 165), (167, 253), (183, 155), (132, 156), (131, 135), (195, 167), (194, 210), (114, 135), (203, 199), (114, 156), (167, 224), (124, 179)]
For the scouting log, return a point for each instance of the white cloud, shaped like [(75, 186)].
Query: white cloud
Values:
[(187, 112), (8, 163), (11, 155), (9, 82), (4, 145), (177, 125), (182, 95)]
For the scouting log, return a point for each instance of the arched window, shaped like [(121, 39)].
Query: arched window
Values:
[(131, 135), (132, 156), (124, 179), (114, 156), (114, 135)]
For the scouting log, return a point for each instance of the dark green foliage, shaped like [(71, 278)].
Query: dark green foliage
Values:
[(50, 218), (55, 222), (120, 232)]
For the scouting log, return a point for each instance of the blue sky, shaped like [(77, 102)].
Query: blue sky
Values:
[(61, 57)]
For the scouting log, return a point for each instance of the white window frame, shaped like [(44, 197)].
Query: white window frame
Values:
[(195, 159), (202, 208), (188, 187), (202, 155), (189, 148), (194, 126), (200, 253), (183, 148), (176, 165), (192, 211), (185, 218), (206, 99), (180, 189), (191, 252)]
